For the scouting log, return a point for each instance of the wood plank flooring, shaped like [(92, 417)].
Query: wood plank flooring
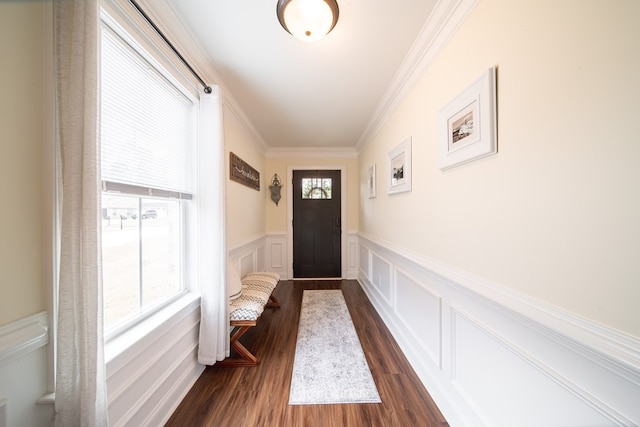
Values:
[(258, 396)]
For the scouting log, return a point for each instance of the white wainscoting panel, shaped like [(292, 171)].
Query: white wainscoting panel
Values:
[(364, 266), (381, 277), (148, 379), (492, 357), (511, 385), (419, 309), (3, 412), (276, 247), (250, 257), (23, 372), (351, 270)]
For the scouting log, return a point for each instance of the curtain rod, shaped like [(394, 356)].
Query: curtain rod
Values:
[(207, 88)]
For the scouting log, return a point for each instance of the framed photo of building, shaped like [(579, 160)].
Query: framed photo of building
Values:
[(467, 124), (399, 168)]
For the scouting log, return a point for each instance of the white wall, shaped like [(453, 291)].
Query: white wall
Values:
[(511, 282), (25, 119), (554, 215), (25, 217), (278, 218), (245, 206), (278, 162), (490, 357)]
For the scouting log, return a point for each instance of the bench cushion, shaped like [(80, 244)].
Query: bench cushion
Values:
[(256, 289)]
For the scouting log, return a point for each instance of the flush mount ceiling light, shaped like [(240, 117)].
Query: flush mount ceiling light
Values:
[(307, 20)]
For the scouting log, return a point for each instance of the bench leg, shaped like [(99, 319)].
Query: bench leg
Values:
[(273, 302), (246, 357)]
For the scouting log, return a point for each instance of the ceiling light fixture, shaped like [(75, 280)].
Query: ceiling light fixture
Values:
[(307, 20)]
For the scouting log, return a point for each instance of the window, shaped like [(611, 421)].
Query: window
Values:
[(316, 188), (148, 147)]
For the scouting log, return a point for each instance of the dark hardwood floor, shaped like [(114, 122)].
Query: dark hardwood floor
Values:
[(258, 396)]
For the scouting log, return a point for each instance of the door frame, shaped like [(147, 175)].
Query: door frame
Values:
[(343, 214)]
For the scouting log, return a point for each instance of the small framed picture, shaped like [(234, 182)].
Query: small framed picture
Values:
[(467, 124), (371, 181), (399, 168)]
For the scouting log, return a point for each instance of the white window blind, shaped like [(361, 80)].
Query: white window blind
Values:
[(147, 125)]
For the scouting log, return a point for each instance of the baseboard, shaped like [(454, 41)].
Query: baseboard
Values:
[(270, 253)]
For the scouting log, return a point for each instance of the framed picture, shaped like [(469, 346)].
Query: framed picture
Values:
[(399, 170), (371, 181), (467, 124)]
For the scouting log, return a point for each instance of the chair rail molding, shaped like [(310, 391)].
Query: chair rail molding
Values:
[(23, 336), (486, 352), (23, 371)]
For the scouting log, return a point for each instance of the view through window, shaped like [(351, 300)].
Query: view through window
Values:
[(148, 144), (140, 252), (316, 188)]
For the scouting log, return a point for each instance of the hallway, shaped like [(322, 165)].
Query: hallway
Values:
[(259, 396)]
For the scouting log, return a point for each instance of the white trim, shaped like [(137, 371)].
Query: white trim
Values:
[(140, 367), (501, 338), (162, 14), (311, 152), (564, 382), (250, 246), (276, 254), (352, 255), (623, 347), (19, 338), (343, 213), (445, 19), (117, 350)]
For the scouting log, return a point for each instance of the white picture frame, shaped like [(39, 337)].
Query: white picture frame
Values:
[(467, 124), (371, 181), (399, 168)]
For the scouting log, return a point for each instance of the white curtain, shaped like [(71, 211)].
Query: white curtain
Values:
[(80, 371), (214, 319)]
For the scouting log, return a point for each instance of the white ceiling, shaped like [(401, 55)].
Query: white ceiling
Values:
[(297, 94)]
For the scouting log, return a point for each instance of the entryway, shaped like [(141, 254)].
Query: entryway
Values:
[(317, 224)]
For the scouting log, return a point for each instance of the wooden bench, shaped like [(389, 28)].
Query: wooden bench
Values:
[(244, 312)]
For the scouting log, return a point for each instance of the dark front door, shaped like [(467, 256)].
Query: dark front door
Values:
[(316, 224)]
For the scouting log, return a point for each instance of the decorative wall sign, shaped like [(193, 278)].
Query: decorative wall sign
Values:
[(467, 124), (240, 171)]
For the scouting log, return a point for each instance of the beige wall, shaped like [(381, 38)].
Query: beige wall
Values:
[(277, 215), (245, 206), (556, 213), (25, 156)]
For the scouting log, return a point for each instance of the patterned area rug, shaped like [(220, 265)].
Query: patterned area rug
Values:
[(329, 365)]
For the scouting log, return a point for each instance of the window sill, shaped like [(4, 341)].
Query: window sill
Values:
[(47, 399), (120, 344), (137, 333)]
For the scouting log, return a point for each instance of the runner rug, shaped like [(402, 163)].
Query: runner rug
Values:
[(329, 365)]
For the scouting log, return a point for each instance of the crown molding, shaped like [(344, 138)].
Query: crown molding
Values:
[(194, 53), (443, 22), (311, 152)]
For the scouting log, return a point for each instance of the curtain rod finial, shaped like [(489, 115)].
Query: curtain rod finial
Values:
[(207, 89)]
